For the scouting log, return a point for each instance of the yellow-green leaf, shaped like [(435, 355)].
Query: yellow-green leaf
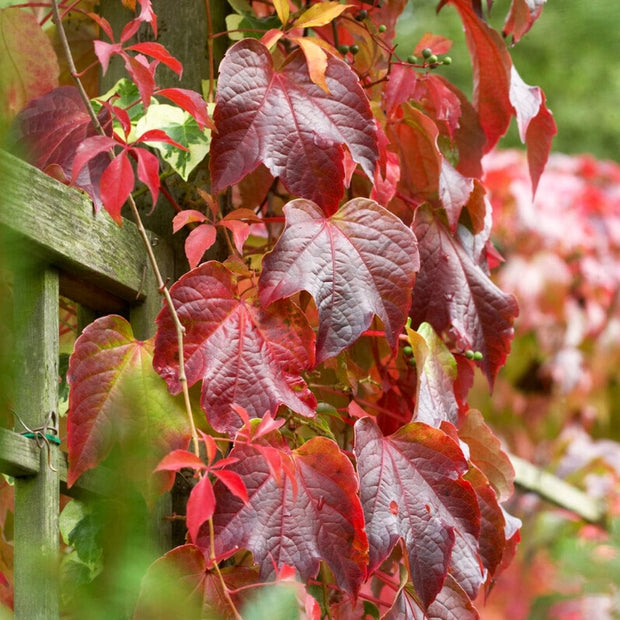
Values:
[(320, 14)]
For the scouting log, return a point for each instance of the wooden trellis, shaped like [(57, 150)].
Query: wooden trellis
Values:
[(58, 247)]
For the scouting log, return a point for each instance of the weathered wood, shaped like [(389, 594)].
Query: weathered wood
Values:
[(58, 225), (36, 395), (20, 457)]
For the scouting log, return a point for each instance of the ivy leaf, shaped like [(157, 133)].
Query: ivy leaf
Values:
[(181, 127), (322, 520), (411, 488), (115, 393), (28, 65), (454, 295), (305, 146), (52, 127), (357, 263), (245, 355)]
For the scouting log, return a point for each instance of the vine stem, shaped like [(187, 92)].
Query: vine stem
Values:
[(219, 572), (163, 289)]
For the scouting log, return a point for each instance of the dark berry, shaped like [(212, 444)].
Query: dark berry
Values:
[(362, 15), (343, 49), (354, 49)]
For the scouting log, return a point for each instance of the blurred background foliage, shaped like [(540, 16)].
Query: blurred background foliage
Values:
[(572, 52)]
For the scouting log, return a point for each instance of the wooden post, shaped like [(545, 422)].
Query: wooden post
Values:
[(36, 396)]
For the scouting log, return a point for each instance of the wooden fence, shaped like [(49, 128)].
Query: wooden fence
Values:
[(59, 247)]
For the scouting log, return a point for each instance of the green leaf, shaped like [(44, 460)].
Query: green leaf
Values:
[(182, 128)]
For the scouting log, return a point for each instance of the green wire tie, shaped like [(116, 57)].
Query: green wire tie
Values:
[(49, 437)]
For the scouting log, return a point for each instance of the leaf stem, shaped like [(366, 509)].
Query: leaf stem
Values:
[(161, 285), (210, 97)]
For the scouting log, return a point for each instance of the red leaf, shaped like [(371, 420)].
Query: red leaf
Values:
[(437, 43), (191, 102), (52, 127), (112, 386), (104, 52), (522, 15), (148, 171), (159, 135), (29, 67), (116, 184), (159, 52), (244, 355), (304, 146), (240, 232), (233, 482), (322, 521), (357, 263), (454, 295), (198, 242), (491, 64), (178, 459), (419, 468), (185, 217), (143, 75), (88, 149), (200, 506), (415, 139)]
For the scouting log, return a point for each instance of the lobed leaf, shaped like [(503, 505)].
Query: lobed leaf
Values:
[(357, 263), (28, 64), (51, 129), (114, 391), (243, 354), (411, 488), (456, 296), (321, 521), (305, 147)]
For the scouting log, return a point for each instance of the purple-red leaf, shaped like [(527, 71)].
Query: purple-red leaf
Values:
[(491, 64), (455, 295), (357, 263), (322, 520), (284, 120), (452, 603), (114, 390), (245, 355), (411, 489), (52, 127)]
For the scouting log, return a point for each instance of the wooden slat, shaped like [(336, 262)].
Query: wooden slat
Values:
[(36, 539), (59, 225), (21, 457)]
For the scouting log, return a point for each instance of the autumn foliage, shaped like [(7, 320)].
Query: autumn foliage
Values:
[(333, 347)]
